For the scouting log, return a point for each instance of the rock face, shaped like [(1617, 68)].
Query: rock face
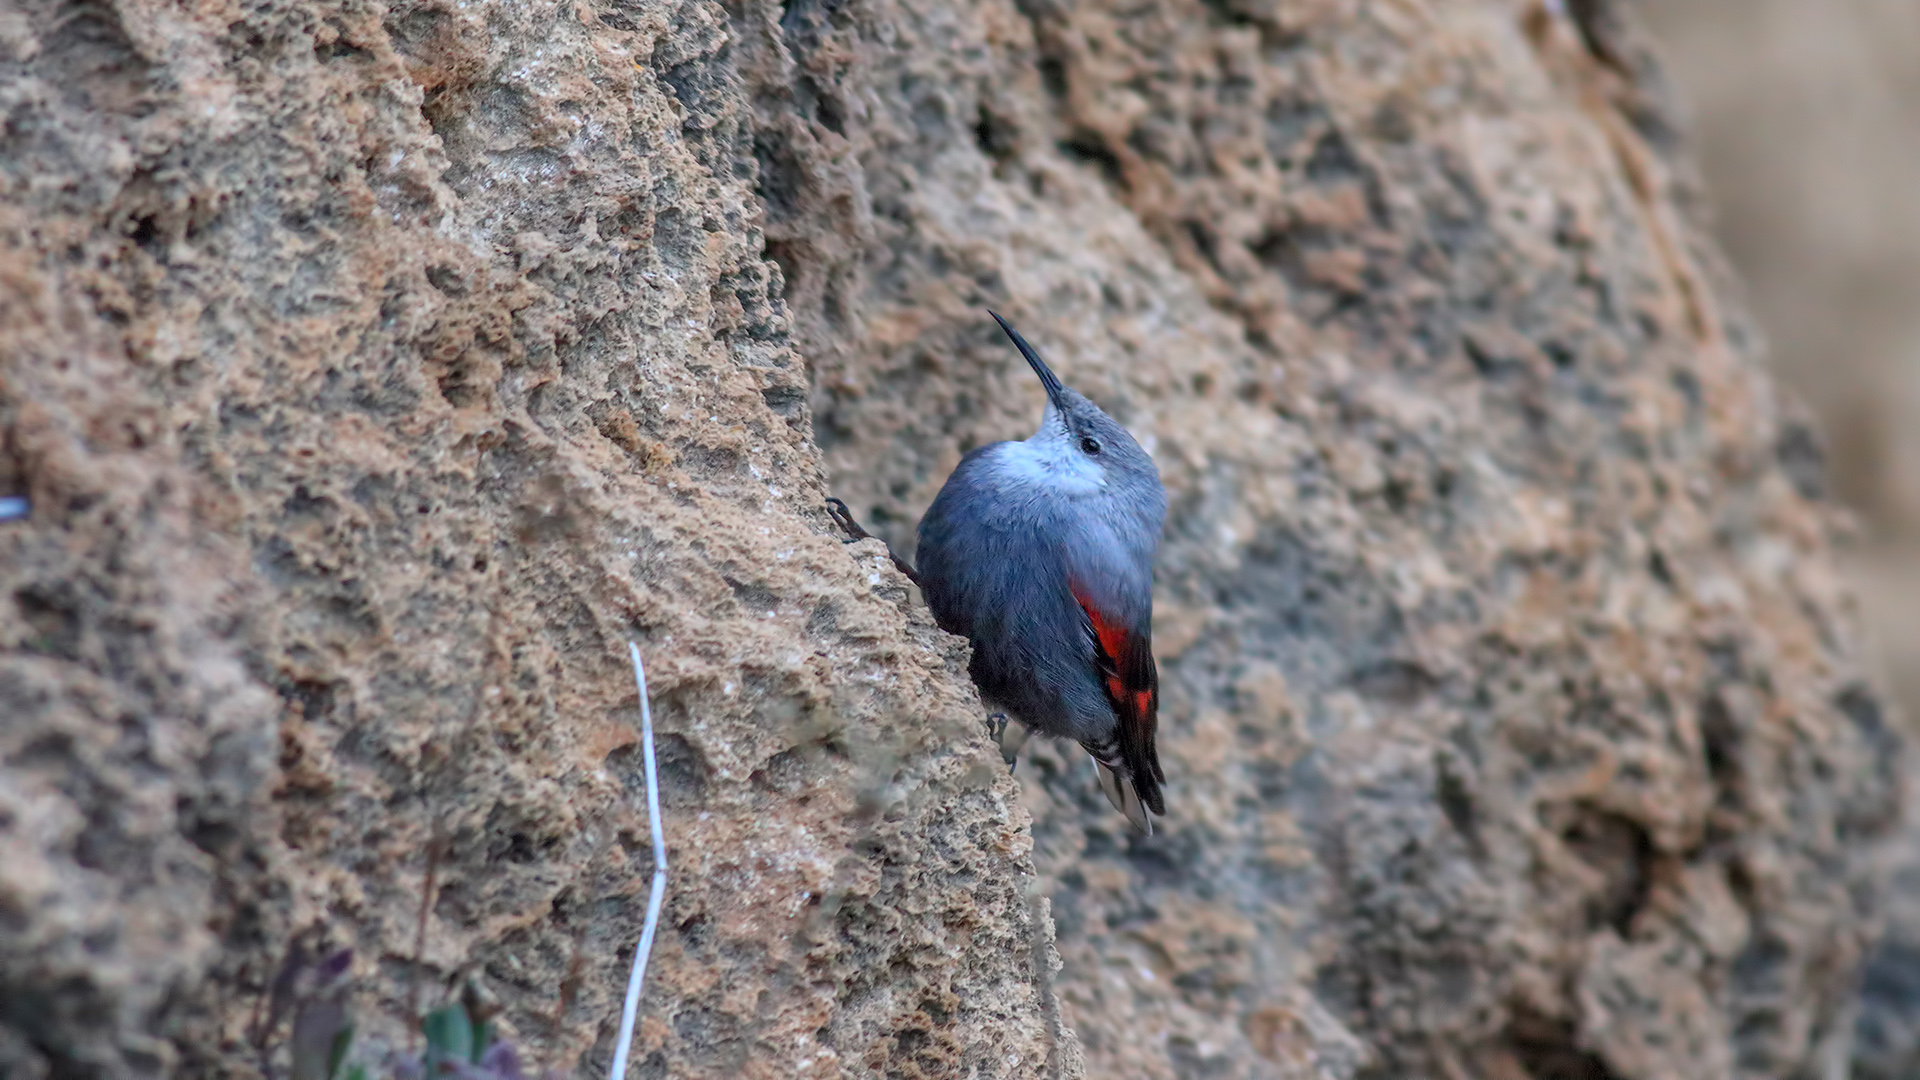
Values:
[(1808, 222), (377, 371)]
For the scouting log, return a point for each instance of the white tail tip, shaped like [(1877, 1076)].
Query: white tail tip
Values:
[(1120, 793)]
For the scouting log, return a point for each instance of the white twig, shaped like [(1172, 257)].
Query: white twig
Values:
[(659, 892)]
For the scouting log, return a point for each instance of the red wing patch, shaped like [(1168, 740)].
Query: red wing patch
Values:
[(1125, 659)]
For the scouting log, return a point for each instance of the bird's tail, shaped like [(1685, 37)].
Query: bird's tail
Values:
[(1122, 789)]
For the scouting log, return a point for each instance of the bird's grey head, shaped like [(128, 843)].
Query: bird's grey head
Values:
[(1079, 451)]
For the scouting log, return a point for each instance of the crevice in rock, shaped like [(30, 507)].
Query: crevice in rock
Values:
[(1622, 850), (1549, 1049)]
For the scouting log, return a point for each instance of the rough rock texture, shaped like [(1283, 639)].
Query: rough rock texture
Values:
[(375, 374), (1512, 720), (377, 371), (1825, 231)]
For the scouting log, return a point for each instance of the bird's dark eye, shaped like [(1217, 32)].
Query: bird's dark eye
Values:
[(1091, 445)]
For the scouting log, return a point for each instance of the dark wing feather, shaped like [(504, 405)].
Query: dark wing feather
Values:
[(1132, 681)]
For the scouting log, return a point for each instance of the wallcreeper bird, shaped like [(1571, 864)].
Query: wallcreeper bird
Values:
[(1040, 552)]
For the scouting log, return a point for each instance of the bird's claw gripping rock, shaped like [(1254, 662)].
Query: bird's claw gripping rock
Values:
[(843, 517), (997, 728)]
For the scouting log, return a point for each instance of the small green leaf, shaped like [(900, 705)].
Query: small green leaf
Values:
[(357, 1072), (449, 1036), (482, 1038)]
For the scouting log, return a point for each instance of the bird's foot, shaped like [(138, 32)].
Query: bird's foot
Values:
[(843, 517), (1010, 738)]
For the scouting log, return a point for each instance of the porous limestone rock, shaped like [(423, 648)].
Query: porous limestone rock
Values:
[(377, 370)]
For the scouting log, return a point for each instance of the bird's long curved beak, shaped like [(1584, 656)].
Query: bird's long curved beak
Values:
[(1056, 393)]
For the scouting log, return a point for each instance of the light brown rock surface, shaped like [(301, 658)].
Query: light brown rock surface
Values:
[(1801, 115), (376, 372)]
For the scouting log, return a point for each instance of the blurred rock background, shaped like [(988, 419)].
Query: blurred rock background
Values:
[(1806, 120)]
